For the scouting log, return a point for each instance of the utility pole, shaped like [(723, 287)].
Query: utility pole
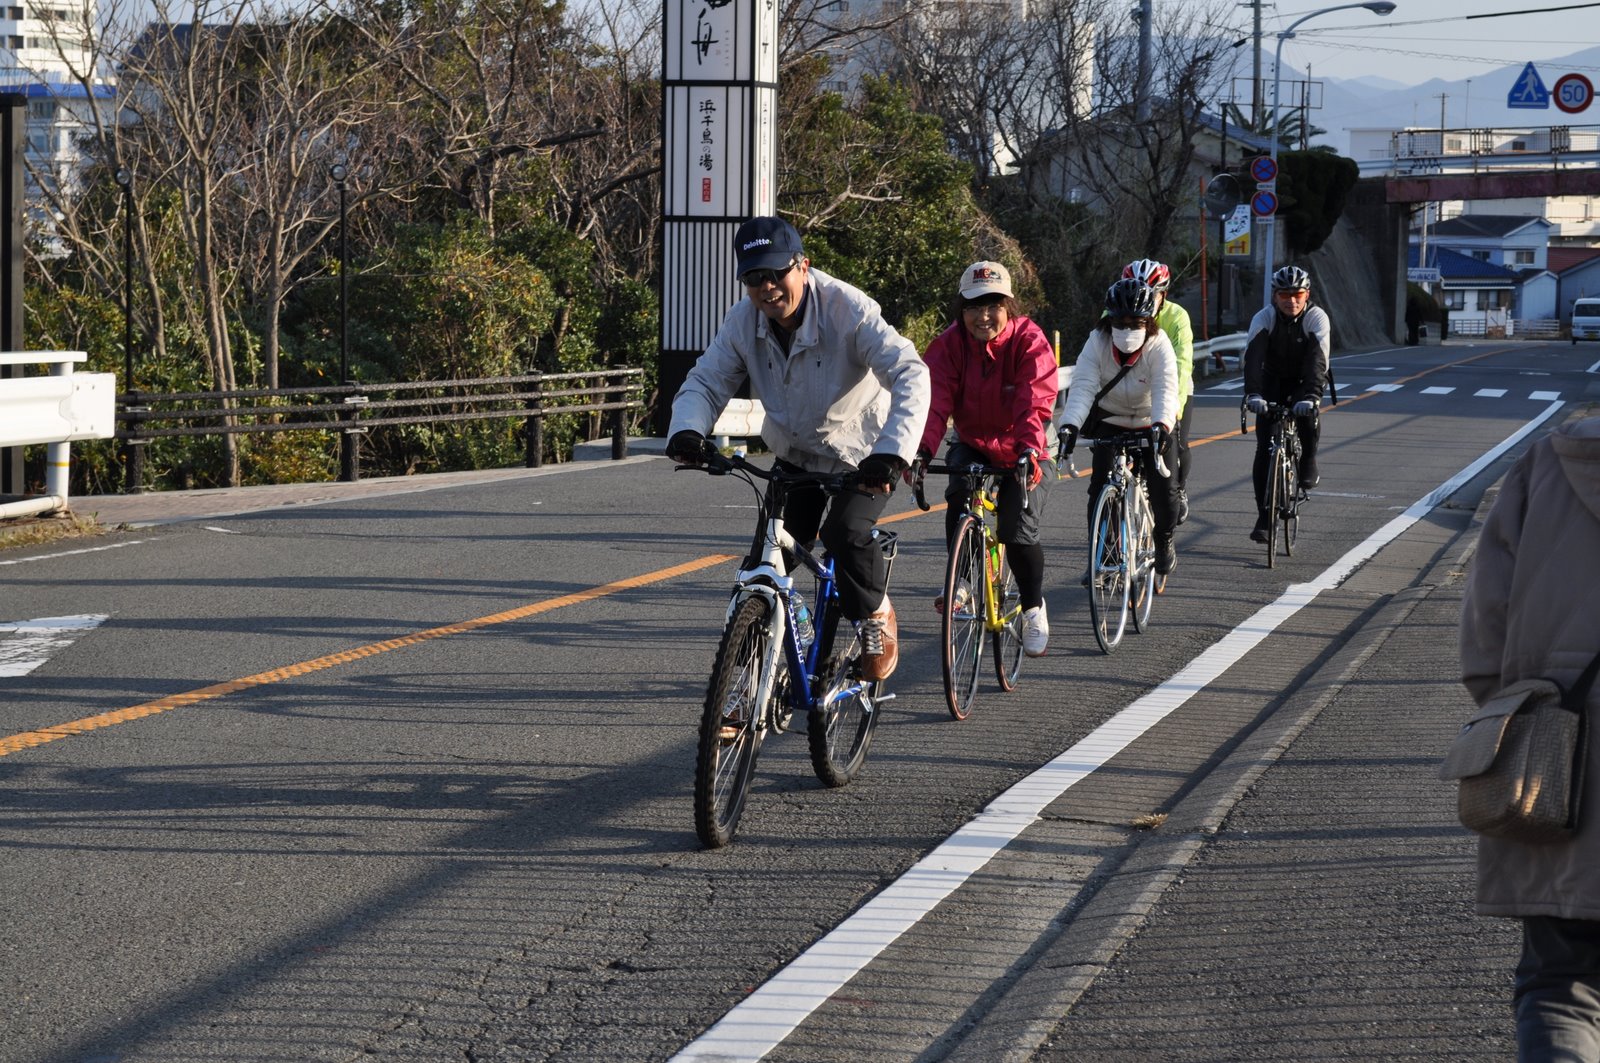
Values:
[(1141, 100), (1255, 76)]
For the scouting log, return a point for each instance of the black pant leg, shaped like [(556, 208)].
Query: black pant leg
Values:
[(1310, 429), (1182, 438), (859, 567)]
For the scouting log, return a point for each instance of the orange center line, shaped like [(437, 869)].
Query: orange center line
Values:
[(30, 739)]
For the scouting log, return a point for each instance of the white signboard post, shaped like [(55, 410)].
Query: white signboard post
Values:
[(719, 161)]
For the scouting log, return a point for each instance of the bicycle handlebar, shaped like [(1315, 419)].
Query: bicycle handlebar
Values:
[(1022, 469), (1274, 411), (716, 463), (1132, 440)]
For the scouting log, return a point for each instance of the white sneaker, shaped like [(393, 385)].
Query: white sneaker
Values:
[(1035, 631)]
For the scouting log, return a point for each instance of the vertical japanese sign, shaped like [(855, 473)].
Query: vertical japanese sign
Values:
[(719, 161)]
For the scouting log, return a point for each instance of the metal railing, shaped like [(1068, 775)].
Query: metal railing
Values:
[(353, 409)]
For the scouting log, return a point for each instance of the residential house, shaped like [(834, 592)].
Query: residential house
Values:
[(1478, 294), (1517, 242)]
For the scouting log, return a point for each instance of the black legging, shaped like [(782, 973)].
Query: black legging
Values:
[(1310, 428), (1163, 491), (1181, 438), (859, 567)]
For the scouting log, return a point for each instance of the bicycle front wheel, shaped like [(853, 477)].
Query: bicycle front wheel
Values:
[(1142, 584), (1008, 639), (963, 621), (1289, 501), (1108, 570), (1274, 501), (732, 725), (840, 728)]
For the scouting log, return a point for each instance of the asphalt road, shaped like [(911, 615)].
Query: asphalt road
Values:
[(407, 777)]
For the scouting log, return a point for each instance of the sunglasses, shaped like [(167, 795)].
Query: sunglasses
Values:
[(760, 278)]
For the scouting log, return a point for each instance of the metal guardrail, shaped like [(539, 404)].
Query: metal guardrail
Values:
[(352, 409)]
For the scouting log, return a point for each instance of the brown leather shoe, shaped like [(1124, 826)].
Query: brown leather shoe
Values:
[(880, 649)]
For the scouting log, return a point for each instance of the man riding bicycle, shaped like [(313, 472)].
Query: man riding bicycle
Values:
[(994, 375), (842, 392), (1286, 362)]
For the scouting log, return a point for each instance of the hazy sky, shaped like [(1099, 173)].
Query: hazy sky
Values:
[(1425, 39)]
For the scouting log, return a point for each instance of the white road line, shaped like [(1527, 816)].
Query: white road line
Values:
[(760, 1022), (1490, 393), (1595, 368), (34, 641), (71, 553), (1545, 396), (1437, 391), (1385, 387)]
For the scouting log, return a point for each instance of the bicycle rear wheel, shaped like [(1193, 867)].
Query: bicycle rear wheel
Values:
[(1008, 640), (1142, 584), (840, 728), (731, 726), (1108, 570), (963, 622)]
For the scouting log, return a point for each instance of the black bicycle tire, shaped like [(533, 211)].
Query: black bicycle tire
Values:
[(720, 797), (1274, 482), (1142, 590), (845, 716), (966, 561), (1291, 487), (1007, 642), (1110, 498)]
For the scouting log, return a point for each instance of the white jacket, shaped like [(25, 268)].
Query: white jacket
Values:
[(850, 386), (1146, 395)]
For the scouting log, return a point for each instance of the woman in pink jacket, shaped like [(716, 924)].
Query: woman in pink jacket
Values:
[(994, 375)]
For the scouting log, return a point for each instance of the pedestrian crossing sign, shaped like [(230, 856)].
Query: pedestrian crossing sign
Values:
[(1529, 92)]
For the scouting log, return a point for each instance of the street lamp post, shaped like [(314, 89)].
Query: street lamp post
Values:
[(132, 448), (1377, 7)]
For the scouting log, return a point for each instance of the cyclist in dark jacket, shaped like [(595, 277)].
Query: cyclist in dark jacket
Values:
[(1286, 361)]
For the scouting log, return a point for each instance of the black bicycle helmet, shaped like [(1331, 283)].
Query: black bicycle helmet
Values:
[(1291, 279), (1130, 297)]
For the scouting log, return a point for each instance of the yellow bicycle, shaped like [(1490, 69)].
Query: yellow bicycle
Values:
[(980, 593)]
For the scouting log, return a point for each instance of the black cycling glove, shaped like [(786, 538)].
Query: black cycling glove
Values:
[(882, 470), (687, 447)]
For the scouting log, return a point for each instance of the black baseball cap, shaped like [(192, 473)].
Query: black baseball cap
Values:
[(765, 243)]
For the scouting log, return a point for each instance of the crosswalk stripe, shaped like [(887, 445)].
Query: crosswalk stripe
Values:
[(1545, 396), (1385, 387), (1437, 391), (1490, 393)]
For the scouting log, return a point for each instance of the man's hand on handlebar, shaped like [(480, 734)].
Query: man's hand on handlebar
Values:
[(878, 472), (1255, 404), (688, 447)]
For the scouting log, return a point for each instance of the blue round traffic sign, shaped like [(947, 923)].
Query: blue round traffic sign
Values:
[(1263, 168), (1264, 204), (1573, 93)]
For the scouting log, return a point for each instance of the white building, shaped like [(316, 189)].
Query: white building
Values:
[(44, 48)]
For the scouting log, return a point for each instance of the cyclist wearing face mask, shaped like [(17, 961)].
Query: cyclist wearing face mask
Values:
[(1286, 361), (1126, 379)]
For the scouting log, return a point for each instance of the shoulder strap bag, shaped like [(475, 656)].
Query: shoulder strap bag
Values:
[(1520, 760)]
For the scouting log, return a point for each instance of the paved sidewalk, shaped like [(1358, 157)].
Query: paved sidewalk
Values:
[(1330, 914)]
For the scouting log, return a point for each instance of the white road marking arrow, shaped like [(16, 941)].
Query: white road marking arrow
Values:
[(26, 644)]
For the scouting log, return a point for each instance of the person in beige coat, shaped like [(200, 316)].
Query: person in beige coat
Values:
[(1530, 612)]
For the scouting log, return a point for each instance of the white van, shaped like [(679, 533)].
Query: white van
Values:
[(1585, 320)]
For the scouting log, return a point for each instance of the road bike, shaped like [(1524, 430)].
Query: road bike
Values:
[(1284, 493), (1122, 577), (780, 658), (980, 592)]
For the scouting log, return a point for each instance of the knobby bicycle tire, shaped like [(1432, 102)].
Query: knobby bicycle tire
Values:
[(1007, 640), (725, 761), (962, 628), (840, 728), (1108, 569)]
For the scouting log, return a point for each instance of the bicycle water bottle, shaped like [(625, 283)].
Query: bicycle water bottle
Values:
[(803, 628)]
